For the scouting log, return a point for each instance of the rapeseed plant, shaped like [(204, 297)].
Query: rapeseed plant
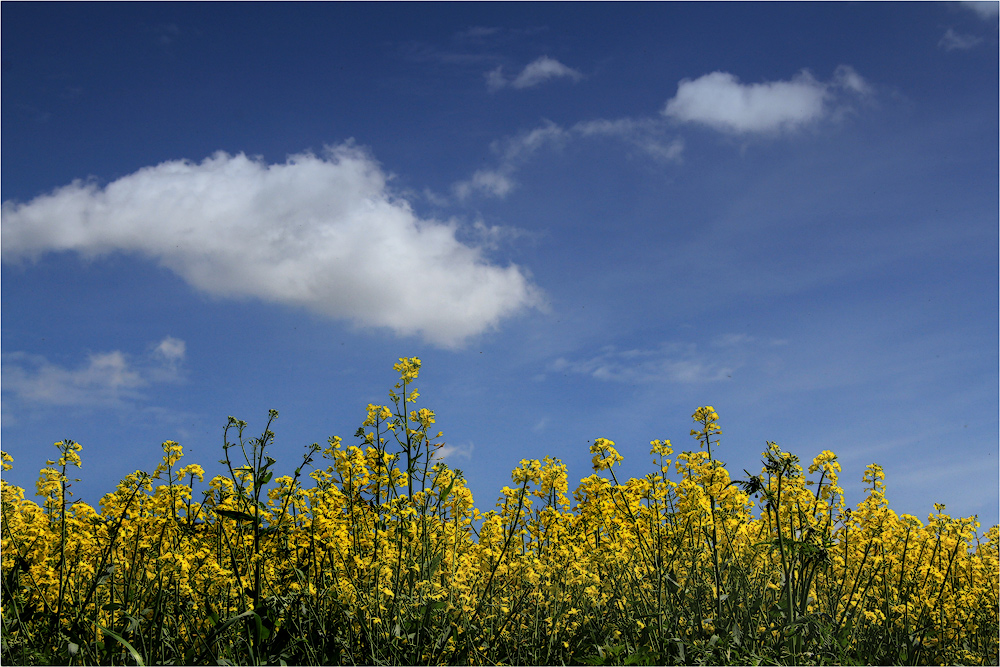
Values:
[(375, 552)]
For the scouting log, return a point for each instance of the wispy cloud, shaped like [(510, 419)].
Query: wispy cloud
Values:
[(989, 10), (970, 483), (512, 153), (476, 33), (535, 73), (541, 425), (675, 362), (495, 36), (106, 378), (720, 101), (424, 52), (166, 33), (648, 135), (493, 182), (453, 452), (497, 236), (321, 232), (473, 47), (678, 362), (953, 41)]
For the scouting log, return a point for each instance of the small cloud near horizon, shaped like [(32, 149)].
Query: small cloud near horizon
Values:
[(106, 378)]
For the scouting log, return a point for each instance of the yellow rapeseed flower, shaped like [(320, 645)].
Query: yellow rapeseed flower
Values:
[(605, 454)]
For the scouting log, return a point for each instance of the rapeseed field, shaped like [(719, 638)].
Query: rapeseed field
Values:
[(375, 553)]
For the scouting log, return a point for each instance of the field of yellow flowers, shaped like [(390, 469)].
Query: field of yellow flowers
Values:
[(374, 553)]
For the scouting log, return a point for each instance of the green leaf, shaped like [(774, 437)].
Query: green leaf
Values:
[(444, 494), (133, 622), (262, 632), (235, 515), (191, 657), (123, 642)]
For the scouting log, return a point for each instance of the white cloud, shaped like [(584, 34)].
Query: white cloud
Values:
[(171, 349), (106, 377), (542, 70), (325, 233), (720, 101), (953, 41), (987, 10), (534, 74)]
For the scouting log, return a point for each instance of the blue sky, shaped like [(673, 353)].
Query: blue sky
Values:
[(587, 220)]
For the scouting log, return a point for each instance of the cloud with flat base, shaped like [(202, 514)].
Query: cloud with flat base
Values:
[(321, 232), (720, 101)]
